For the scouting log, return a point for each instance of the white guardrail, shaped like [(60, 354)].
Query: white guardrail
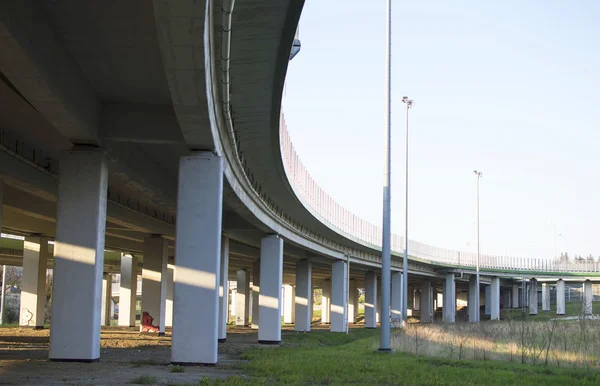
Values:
[(345, 222)]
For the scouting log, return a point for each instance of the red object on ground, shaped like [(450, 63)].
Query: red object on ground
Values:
[(147, 325)]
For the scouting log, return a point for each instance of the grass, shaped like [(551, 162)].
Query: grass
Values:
[(144, 380), (571, 309), (322, 357), (177, 369)]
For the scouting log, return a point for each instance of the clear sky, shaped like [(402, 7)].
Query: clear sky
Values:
[(511, 88)]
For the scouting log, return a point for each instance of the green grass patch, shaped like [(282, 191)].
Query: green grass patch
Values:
[(178, 369), (144, 380), (571, 309), (326, 358)]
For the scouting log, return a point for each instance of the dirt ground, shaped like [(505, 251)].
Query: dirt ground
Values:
[(125, 355)]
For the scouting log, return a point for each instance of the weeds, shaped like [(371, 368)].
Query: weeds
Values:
[(144, 380)]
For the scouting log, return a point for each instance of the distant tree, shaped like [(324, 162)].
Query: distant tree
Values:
[(590, 258), (578, 258), (564, 257)]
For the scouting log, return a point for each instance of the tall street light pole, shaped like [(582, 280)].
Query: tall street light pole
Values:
[(409, 104), (477, 301), (386, 253)]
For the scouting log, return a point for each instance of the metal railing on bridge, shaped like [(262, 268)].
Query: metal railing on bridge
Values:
[(327, 210)]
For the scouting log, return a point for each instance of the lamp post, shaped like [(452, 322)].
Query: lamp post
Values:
[(477, 301), (409, 104), (386, 253)]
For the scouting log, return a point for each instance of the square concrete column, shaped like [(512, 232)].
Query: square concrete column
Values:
[(33, 282), (154, 281), (560, 297), (449, 310), (396, 298), (79, 256), (515, 296), (426, 302), (545, 297), (242, 299), (495, 299), (533, 298), (232, 310), (588, 297), (303, 301), (128, 290), (472, 304), (326, 302), (289, 294), (417, 300), (107, 303), (488, 299), (411, 301), (198, 259), (271, 270), (370, 299), (224, 289), (169, 301), (378, 304), (352, 301), (255, 294), (339, 299)]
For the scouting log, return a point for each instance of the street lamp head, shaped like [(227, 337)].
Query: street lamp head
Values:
[(409, 102), (478, 173)]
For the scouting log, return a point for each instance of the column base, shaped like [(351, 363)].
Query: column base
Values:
[(32, 327), (271, 342), (563, 314), (222, 340), (370, 328), (187, 364), (74, 360), (386, 351), (161, 334)]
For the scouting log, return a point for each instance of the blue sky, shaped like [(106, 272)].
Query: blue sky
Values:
[(510, 88)]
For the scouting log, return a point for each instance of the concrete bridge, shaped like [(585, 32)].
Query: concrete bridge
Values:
[(140, 135)]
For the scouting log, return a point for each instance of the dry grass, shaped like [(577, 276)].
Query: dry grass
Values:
[(552, 342)]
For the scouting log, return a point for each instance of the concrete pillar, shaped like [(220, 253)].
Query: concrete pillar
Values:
[(271, 270), (303, 295), (33, 282), (411, 301), (516, 303), (495, 299), (352, 301), (198, 260), (560, 297), (378, 304), (473, 306), (169, 301), (545, 297), (533, 298), (339, 300), (289, 294), (242, 299), (79, 256), (417, 300), (326, 302), (224, 289), (588, 297), (396, 297), (370, 299), (154, 281), (255, 294), (232, 297), (426, 302), (449, 310), (107, 303), (488, 299), (128, 290)]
